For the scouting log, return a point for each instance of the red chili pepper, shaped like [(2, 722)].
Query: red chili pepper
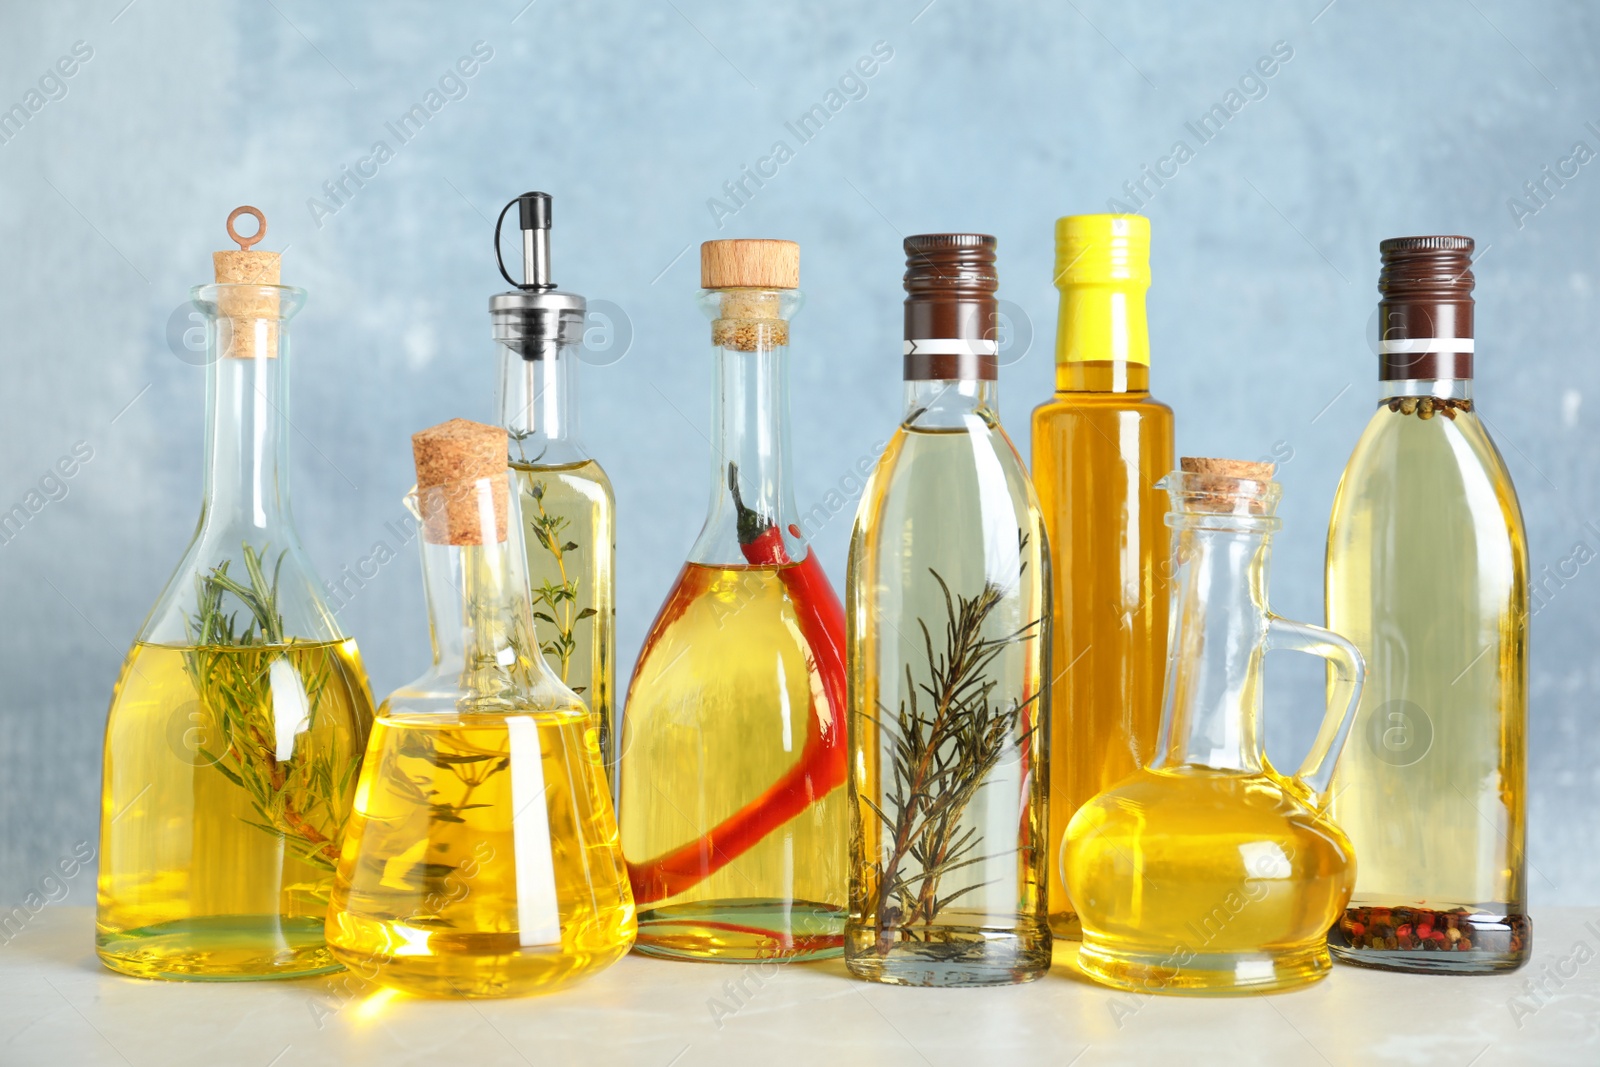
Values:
[(823, 761)]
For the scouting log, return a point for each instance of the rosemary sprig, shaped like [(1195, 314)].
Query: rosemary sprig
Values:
[(303, 799), (557, 604), (946, 737)]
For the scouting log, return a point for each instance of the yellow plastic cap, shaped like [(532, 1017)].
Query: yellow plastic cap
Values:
[(1102, 250)]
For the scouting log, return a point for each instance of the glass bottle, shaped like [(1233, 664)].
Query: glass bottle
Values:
[(1427, 572), (482, 856), (239, 718), (1099, 447), (733, 740), (948, 618), (568, 510), (1209, 871)]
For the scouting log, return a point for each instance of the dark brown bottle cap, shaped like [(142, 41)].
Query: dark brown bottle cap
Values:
[(1425, 314), (952, 317)]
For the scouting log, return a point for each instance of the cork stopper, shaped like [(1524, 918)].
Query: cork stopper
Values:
[(456, 462), (750, 264), (751, 316), (1212, 485), (242, 307)]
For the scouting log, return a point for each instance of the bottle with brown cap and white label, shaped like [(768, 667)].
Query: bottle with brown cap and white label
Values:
[(238, 722), (1427, 572), (565, 499), (732, 769), (481, 858), (948, 609), (1209, 871)]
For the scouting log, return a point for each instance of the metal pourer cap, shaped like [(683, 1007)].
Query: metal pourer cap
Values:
[(536, 316)]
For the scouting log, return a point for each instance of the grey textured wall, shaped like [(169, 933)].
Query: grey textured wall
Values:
[(1388, 119)]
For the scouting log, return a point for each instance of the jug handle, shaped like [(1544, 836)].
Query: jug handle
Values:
[(1344, 694)]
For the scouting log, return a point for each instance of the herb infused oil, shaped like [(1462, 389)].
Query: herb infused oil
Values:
[(238, 721), (565, 499), (948, 617), (733, 750), (1427, 572)]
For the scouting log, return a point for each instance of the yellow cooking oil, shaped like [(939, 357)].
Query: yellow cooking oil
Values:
[(1202, 880), (228, 776), (481, 858)]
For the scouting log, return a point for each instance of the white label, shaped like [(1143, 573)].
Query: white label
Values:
[(1417, 345), (952, 346)]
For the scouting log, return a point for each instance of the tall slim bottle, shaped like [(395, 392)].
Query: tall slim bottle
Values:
[(237, 725), (568, 510), (732, 773), (948, 617), (1099, 447), (1427, 573)]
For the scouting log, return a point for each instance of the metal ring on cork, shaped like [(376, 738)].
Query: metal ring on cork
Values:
[(245, 243)]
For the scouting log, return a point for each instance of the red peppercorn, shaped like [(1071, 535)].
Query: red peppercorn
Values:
[(1357, 931)]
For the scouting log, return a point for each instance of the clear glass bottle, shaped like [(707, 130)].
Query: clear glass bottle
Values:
[(733, 738), (482, 856), (1427, 572), (239, 718), (948, 618), (1099, 447), (568, 510), (1209, 871)]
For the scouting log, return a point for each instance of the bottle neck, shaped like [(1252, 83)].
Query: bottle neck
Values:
[(1211, 716), (1103, 338), (539, 405), (1442, 388), (481, 623), (751, 487), (951, 404), (246, 476)]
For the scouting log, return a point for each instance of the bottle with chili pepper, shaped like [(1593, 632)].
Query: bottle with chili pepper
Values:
[(732, 800), (948, 645)]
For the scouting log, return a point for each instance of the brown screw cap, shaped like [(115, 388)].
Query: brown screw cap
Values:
[(453, 459), (952, 316), (1425, 313)]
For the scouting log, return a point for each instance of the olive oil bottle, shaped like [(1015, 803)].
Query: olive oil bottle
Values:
[(481, 859), (732, 797), (1099, 447), (568, 509), (1427, 573), (237, 725), (948, 617)]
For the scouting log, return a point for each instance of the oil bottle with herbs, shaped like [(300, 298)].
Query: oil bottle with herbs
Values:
[(482, 857), (238, 722), (948, 617), (568, 509)]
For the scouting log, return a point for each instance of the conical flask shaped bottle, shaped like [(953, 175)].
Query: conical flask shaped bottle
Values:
[(238, 722), (482, 858), (1209, 871), (733, 740)]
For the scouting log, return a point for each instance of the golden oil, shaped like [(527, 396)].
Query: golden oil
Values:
[(1427, 573), (432, 898), (217, 858), (569, 533), (719, 711), (1192, 864), (1099, 446)]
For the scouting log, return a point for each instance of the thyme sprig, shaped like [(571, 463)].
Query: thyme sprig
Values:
[(557, 604), (946, 737), (303, 799)]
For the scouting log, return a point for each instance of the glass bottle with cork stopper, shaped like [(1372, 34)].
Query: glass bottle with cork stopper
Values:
[(948, 617), (733, 739), (237, 724), (482, 857), (1100, 445), (1427, 572), (565, 499), (1209, 871)]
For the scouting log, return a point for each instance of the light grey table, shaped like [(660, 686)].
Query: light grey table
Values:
[(58, 1007)]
